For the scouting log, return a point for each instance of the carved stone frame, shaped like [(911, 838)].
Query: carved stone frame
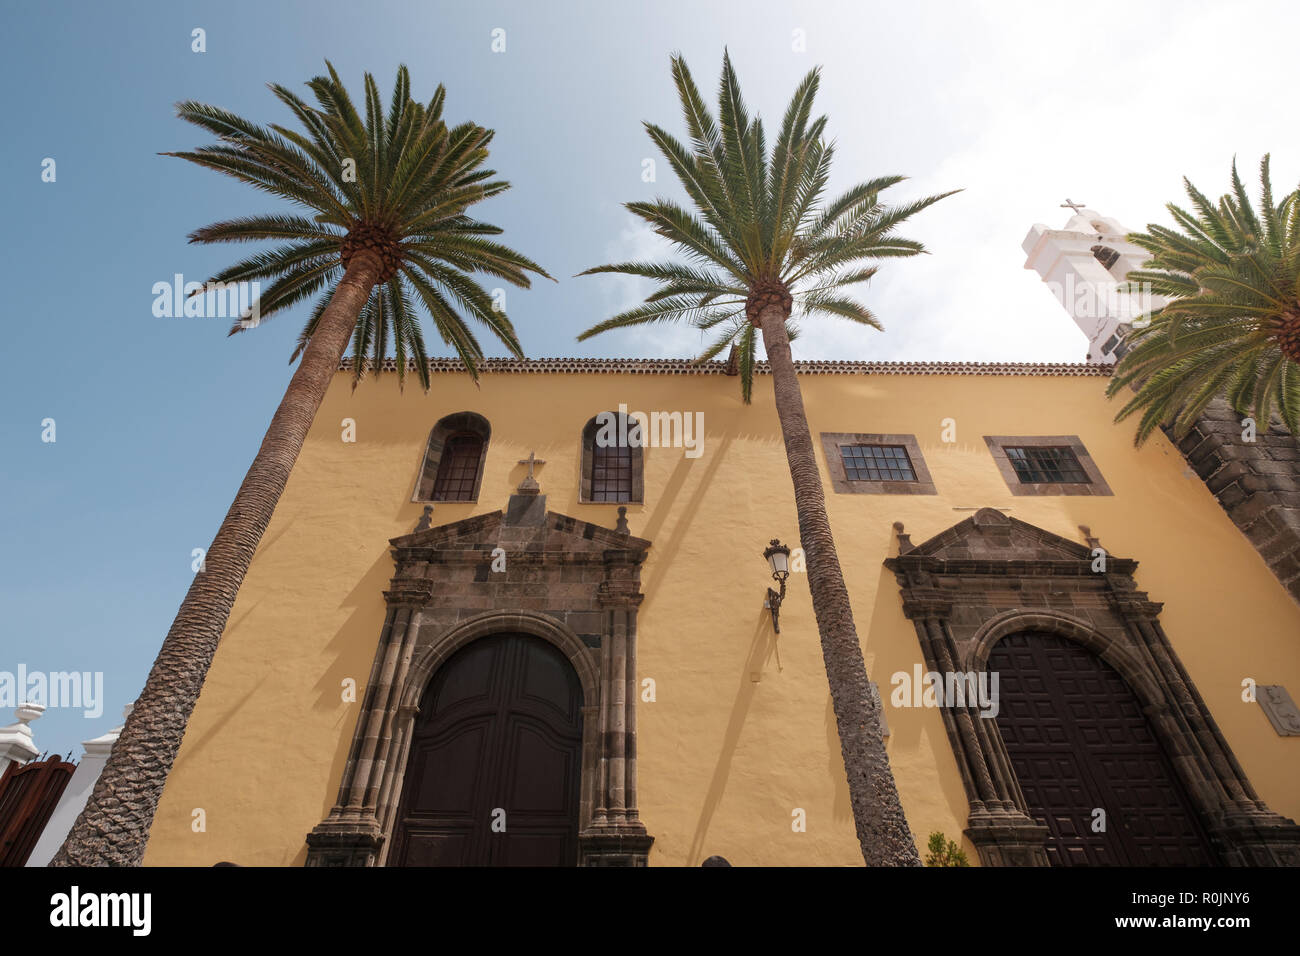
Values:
[(1095, 485), (566, 581), (833, 446), (992, 575)]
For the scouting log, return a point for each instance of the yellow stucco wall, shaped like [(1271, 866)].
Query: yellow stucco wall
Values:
[(741, 733)]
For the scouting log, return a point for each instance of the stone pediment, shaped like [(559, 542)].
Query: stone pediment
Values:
[(452, 534), (523, 557), (989, 538), (540, 531)]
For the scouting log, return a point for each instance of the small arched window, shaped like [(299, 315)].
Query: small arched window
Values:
[(612, 460), (454, 459)]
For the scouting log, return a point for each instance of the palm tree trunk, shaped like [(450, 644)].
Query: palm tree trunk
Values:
[(877, 813), (113, 829)]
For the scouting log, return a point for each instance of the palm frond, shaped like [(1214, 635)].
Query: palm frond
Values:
[(393, 169), (1230, 326), (757, 219)]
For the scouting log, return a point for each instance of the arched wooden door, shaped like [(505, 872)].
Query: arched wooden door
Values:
[(1079, 742), (494, 771)]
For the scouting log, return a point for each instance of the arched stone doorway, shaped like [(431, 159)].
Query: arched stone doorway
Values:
[(494, 773), (1087, 761), (569, 583), (990, 577)]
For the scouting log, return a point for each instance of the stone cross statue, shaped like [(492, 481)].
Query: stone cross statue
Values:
[(529, 485), (1076, 206)]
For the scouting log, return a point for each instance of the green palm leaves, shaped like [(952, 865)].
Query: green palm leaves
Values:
[(397, 183), (1231, 327), (757, 224)]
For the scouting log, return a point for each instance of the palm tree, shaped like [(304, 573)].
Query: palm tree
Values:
[(1231, 327), (758, 240), (391, 194)]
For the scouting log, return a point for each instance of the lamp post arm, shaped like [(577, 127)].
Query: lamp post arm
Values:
[(774, 600)]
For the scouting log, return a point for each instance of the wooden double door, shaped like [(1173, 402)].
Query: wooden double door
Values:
[(1079, 744), (494, 772)]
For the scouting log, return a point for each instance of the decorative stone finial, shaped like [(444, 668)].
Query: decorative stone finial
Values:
[(426, 519), (904, 540), (990, 516), (16, 742), (1087, 536), (621, 525), (29, 711), (103, 744)]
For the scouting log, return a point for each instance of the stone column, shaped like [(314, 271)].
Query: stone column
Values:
[(616, 836), (999, 824), (352, 834), (1244, 830)]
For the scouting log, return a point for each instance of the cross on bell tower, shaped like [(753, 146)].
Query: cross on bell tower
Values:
[(1085, 264)]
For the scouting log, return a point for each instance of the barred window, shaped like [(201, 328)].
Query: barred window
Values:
[(877, 463), (458, 468), (613, 461), (454, 459), (1034, 464), (611, 473)]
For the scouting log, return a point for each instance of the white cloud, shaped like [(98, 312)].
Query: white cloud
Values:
[(1109, 104), (1021, 104)]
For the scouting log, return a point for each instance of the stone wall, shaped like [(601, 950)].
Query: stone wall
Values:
[(1257, 483)]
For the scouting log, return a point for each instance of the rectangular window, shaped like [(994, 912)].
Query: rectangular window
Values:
[(1046, 465), (877, 463), (611, 472), (1043, 463)]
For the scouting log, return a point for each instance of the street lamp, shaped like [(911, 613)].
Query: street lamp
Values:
[(778, 559)]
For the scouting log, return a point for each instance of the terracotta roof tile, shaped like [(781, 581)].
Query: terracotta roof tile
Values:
[(637, 366)]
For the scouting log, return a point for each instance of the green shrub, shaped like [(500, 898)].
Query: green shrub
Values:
[(945, 852)]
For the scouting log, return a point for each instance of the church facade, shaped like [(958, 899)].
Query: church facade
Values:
[(526, 622)]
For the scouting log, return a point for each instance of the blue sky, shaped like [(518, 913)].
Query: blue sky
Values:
[(157, 419)]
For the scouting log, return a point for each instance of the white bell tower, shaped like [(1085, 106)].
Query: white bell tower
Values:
[(1084, 264)]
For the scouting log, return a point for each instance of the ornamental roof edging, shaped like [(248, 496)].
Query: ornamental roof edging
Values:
[(663, 366)]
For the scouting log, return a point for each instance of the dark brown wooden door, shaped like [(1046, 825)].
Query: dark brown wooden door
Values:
[(498, 741), (29, 794), (1078, 741)]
